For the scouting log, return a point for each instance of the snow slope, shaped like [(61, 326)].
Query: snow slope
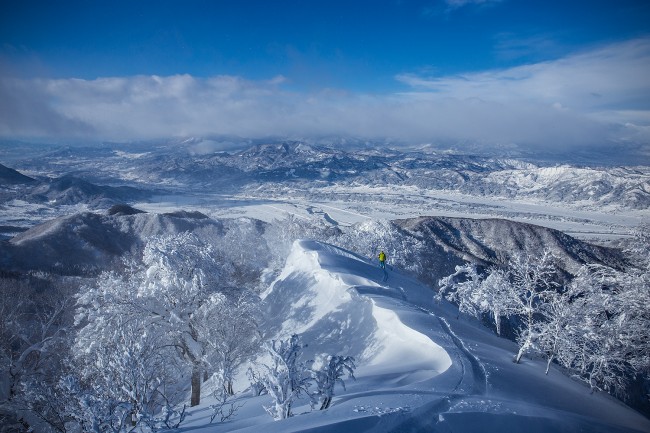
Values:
[(419, 367), (331, 304)]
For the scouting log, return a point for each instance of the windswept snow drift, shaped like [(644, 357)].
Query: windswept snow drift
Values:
[(322, 294), (420, 369)]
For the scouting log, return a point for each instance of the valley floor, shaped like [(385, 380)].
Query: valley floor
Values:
[(348, 205)]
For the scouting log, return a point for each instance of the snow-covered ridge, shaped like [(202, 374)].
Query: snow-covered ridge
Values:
[(331, 292), (418, 367)]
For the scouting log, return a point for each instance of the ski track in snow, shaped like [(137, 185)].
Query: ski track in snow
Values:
[(480, 382)]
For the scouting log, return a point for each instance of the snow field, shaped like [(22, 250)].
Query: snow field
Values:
[(419, 368), (327, 305)]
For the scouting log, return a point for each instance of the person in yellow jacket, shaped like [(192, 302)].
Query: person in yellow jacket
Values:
[(382, 260)]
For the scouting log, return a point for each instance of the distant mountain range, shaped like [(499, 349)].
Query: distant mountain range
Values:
[(67, 190), (301, 164), (175, 166)]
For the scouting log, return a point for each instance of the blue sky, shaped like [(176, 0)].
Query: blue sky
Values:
[(419, 71), (356, 45)]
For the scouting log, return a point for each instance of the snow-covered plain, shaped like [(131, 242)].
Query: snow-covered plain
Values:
[(419, 367), (349, 205)]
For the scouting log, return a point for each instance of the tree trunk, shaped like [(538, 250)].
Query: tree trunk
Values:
[(196, 386), (520, 354), (326, 403), (228, 387), (548, 364)]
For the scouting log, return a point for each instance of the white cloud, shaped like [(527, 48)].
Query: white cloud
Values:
[(616, 75), (598, 97)]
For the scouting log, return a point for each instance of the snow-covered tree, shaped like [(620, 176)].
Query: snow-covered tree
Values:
[(639, 250), (241, 255), (287, 377), (610, 330), (370, 237), (223, 407), (32, 336), (281, 235), (463, 288), (256, 381), (476, 294), (175, 291), (521, 289), (532, 279), (331, 372), (497, 297), (234, 337), (179, 290), (554, 333), (127, 373)]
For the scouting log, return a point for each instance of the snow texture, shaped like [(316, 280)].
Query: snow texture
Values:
[(419, 368)]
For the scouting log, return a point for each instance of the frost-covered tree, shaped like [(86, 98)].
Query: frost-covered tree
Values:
[(520, 289), (256, 381), (554, 334), (331, 372), (610, 331), (497, 297), (241, 255), (532, 279), (476, 294), (234, 337), (287, 377), (463, 288), (368, 238), (281, 235), (179, 287), (639, 250), (175, 291), (223, 407), (127, 374), (32, 336)]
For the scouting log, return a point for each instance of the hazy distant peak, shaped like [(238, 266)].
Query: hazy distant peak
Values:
[(9, 176)]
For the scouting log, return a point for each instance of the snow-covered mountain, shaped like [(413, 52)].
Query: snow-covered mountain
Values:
[(300, 164), (419, 368), (68, 190), (9, 176), (64, 190), (92, 240), (448, 242), (305, 165), (86, 242)]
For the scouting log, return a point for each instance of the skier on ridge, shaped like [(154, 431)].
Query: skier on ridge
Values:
[(382, 264)]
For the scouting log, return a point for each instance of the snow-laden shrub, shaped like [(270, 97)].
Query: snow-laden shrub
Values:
[(287, 377), (329, 374), (256, 381)]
